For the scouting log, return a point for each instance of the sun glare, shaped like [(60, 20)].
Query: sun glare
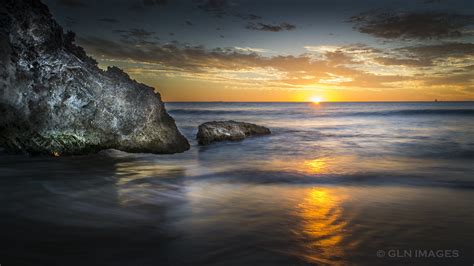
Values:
[(315, 99)]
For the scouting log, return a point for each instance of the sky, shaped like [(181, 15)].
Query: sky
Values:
[(275, 50)]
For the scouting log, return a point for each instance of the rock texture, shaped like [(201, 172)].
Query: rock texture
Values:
[(228, 130), (55, 100)]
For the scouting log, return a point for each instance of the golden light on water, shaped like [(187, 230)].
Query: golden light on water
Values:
[(322, 225), (315, 166), (323, 166)]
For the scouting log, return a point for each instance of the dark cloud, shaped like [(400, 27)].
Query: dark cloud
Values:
[(425, 55), (173, 55), (435, 51), (72, 3), (431, 1), (412, 25), (221, 8), (270, 27), (392, 61), (217, 8), (154, 2), (135, 32), (136, 36), (141, 4), (109, 20), (248, 16), (189, 23)]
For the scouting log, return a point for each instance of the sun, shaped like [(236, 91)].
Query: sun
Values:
[(316, 99)]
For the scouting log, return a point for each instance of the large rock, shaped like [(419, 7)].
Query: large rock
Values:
[(55, 100), (228, 130)]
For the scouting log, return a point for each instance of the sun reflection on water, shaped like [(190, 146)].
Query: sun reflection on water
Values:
[(315, 166), (323, 226), (320, 166)]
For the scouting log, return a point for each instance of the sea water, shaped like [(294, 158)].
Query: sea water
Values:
[(334, 184)]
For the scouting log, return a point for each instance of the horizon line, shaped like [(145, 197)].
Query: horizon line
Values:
[(454, 101)]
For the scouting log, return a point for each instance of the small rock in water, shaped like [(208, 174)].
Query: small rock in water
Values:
[(228, 130)]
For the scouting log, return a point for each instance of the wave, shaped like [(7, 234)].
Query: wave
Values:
[(257, 176)]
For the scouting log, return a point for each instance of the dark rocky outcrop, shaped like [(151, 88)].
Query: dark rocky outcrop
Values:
[(55, 100), (228, 130)]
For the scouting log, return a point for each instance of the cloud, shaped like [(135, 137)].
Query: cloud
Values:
[(351, 66), (294, 71), (451, 80), (248, 16), (270, 27), (221, 8), (322, 48), (217, 8), (391, 61), (142, 4), (413, 25), (154, 2), (189, 23), (442, 56), (189, 58), (415, 55), (72, 3), (431, 1), (251, 50), (109, 20), (136, 36), (434, 51)]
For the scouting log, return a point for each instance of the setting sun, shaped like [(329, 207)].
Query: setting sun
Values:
[(315, 99)]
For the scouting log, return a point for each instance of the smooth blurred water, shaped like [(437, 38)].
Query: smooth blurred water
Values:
[(334, 184)]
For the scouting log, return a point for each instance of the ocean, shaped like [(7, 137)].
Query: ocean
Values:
[(334, 184)]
